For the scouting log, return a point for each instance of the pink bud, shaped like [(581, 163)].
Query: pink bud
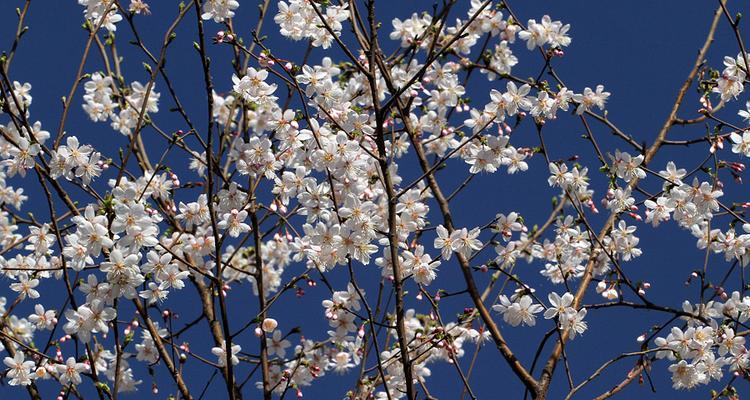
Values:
[(269, 324)]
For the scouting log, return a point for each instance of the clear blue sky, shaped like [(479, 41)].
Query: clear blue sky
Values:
[(640, 51)]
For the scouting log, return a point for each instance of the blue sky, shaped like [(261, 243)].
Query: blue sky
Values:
[(640, 51)]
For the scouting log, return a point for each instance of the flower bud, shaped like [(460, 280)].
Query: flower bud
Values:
[(269, 324)]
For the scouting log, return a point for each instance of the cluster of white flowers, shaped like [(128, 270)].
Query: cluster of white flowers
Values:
[(300, 19), (75, 161), (253, 88), (101, 105), (18, 149), (626, 167), (102, 12), (693, 206), (429, 341), (520, 309), (731, 82), (516, 102), (546, 32), (98, 97), (20, 97), (219, 10), (461, 241), (708, 344)]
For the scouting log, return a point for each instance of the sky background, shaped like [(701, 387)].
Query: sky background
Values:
[(640, 51)]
